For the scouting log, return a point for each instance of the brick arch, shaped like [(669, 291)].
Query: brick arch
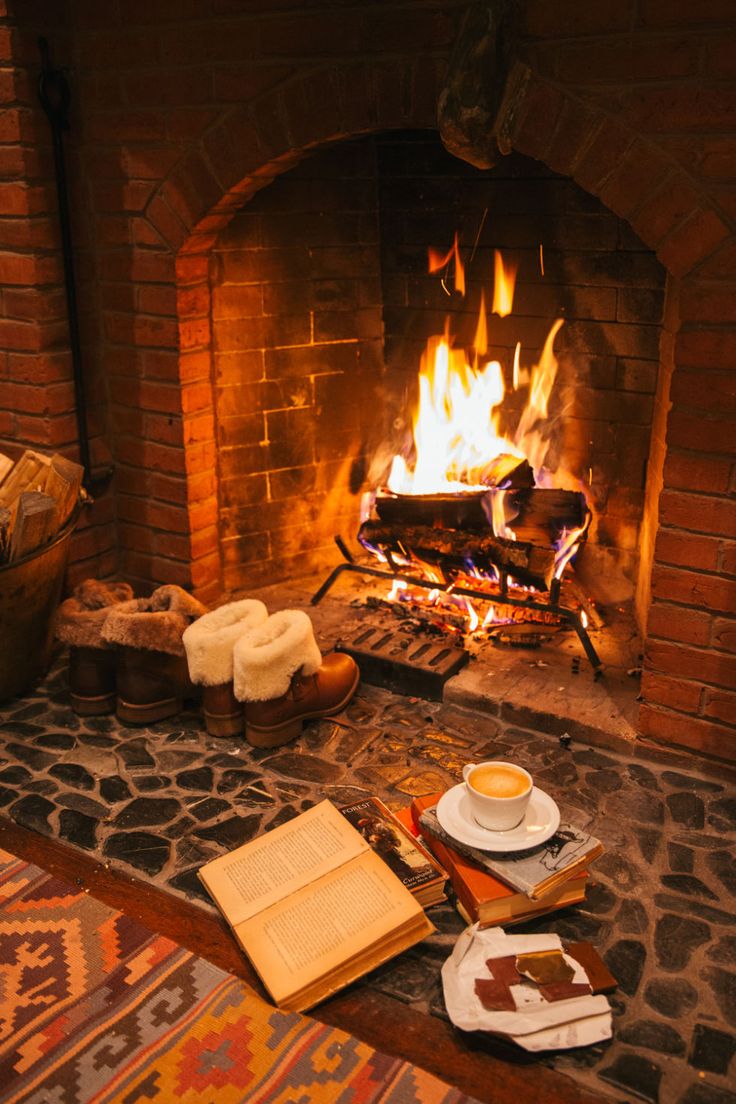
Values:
[(629, 173), (241, 153)]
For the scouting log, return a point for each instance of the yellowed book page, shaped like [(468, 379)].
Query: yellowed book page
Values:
[(411, 933), (326, 924), (275, 865)]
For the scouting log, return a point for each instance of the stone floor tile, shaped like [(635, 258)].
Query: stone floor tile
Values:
[(161, 800)]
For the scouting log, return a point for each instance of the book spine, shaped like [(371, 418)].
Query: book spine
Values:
[(460, 889), (429, 823)]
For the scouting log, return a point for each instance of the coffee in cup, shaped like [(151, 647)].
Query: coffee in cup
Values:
[(499, 793)]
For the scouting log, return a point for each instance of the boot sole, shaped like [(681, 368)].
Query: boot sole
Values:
[(282, 734), (224, 724), (131, 714), (96, 706)]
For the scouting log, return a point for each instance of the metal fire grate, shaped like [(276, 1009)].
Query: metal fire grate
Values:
[(551, 606), (400, 662)]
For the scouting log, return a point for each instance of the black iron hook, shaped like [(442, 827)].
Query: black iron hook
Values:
[(53, 90)]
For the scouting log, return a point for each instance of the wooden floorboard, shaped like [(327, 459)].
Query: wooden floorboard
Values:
[(388, 1025)]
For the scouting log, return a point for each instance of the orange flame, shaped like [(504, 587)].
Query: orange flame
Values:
[(480, 341), (439, 260), (504, 282), (457, 433), (455, 429)]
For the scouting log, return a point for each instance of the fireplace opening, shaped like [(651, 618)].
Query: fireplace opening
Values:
[(329, 287)]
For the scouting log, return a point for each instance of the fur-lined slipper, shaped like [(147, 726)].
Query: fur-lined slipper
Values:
[(266, 659), (156, 623), (210, 640), (79, 619)]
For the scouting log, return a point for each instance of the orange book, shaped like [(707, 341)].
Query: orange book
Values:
[(484, 899)]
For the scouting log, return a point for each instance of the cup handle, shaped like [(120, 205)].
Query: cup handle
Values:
[(467, 769)]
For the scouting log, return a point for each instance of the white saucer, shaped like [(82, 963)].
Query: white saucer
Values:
[(541, 821)]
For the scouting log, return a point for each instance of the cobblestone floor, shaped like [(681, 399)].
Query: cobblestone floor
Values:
[(161, 801)]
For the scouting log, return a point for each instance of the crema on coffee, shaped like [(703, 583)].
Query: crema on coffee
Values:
[(498, 781)]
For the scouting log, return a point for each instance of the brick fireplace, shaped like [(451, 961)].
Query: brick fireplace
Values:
[(246, 270)]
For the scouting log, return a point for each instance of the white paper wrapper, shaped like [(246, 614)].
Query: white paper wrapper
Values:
[(537, 1024)]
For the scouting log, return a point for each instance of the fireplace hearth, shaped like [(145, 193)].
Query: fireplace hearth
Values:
[(254, 194)]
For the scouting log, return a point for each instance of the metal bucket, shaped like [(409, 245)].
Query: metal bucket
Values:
[(30, 590)]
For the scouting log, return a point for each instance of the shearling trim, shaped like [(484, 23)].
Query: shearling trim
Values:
[(209, 641), (79, 619), (93, 594), (80, 628), (265, 660), (176, 600), (137, 624)]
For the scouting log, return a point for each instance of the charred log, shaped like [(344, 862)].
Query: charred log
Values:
[(540, 514), (527, 563), (536, 514)]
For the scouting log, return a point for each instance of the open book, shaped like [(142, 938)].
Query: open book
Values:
[(313, 907)]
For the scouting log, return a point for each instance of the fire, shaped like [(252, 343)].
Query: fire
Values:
[(460, 445), (456, 430), (457, 424), (504, 282), (439, 261)]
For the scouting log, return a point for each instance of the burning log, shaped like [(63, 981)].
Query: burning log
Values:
[(439, 511), (539, 514), (536, 514), (527, 563)]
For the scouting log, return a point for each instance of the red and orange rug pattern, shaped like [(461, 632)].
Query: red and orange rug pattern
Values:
[(97, 1009)]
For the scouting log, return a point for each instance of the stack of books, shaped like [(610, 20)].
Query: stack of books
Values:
[(496, 889)]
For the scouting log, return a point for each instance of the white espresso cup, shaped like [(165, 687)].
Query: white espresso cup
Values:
[(498, 792)]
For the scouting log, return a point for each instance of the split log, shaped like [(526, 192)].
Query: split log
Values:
[(539, 514), (5, 520), (26, 475), (6, 465), (536, 514), (527, 563), (440, 511), (35, 523), (63, 483)]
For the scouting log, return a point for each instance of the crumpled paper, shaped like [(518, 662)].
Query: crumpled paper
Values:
[(537, 1024)]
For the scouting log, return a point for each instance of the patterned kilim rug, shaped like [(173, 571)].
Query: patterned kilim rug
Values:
[(95, 1007)]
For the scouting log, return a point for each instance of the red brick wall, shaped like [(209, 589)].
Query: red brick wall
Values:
[(37, 404), (177, 118), (298, 357), (633, 100)]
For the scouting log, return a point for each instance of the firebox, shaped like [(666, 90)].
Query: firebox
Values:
[(345, 293)]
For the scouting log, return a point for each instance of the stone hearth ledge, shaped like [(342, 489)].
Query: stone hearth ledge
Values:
[(550, 688)]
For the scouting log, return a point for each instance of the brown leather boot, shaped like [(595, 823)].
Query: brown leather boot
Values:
[(273, 723), (92, 682), (279, 674), (152, 675), (209, 643), (222, 712), (151, 685), (79, 623)]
